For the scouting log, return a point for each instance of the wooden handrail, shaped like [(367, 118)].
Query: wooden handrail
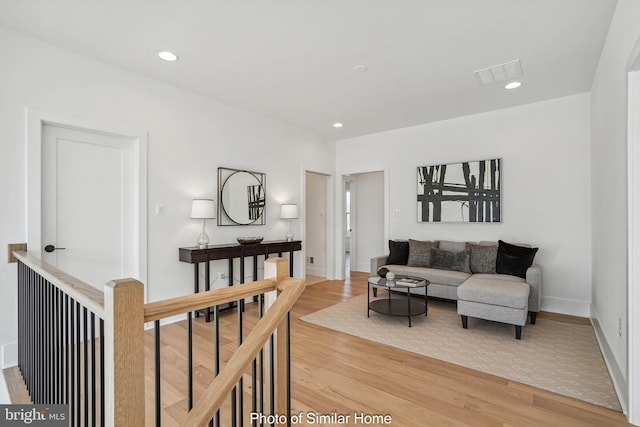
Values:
[(221, 386), (83, 293), (166, 308)]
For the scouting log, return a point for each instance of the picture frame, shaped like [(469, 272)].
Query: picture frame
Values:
[(241, 197), (465, 192)]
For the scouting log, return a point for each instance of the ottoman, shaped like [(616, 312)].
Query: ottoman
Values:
[(500, 300)]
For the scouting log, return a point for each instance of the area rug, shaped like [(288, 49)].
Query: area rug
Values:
[(560, 357)]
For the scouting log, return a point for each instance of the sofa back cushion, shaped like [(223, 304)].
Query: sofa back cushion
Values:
[(447, 260), (482, 257), (447, 245), (513, 259), (398, 252), (420, 253)]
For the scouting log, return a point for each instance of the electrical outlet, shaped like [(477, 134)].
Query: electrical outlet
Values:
[(620, 326), (220, 275), (397, 212), (310, 260)]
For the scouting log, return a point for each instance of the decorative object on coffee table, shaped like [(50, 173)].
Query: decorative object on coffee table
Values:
[(382, 272)]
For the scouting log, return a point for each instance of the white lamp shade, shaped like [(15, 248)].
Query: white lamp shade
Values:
[(289, 211), (203, 208)]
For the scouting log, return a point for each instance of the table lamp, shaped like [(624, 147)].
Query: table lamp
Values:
[(203, 209), (289, 211)]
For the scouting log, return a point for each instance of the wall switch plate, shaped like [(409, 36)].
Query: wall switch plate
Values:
[(18, 247), (397, 212), (159, 209)]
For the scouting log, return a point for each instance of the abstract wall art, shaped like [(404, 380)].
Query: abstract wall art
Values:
[(460, 192)]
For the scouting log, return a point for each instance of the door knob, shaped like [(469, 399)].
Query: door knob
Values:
[(51, 248)]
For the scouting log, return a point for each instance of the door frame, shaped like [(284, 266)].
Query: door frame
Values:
[(35, 119), (633, 243), (329, 220), (353, 214), (340, 209)]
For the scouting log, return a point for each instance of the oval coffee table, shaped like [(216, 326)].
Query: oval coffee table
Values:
[(397, 306)]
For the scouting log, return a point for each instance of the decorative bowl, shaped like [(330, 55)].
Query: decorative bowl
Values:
[(250, 240)]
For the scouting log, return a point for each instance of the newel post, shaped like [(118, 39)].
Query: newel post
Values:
[(124, 353), (278, 269)]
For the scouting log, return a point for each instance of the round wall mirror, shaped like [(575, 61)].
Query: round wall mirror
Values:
[(242, 197)]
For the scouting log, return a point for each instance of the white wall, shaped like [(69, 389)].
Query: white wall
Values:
[(188, 138), (545, 199), (609, 185), (316, 224), (369, 219)]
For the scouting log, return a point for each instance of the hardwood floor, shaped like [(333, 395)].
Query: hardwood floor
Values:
[(336, 373), (339, 374)]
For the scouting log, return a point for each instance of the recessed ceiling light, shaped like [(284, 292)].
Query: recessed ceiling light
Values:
[(513, 85), (337, 125), (168, 56)]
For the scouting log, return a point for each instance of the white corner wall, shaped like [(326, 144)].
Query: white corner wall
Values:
[(609, 191), (315, 214), (189, 137), (546, 184), (369, 219)]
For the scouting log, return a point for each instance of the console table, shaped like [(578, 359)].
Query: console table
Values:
[(197, 256)]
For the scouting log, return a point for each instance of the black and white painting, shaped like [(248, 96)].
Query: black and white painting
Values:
[(460, 192)]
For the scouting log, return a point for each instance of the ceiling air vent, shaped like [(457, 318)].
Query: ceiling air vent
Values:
[(499, 73)]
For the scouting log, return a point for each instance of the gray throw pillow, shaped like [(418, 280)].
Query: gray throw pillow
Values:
[(482, 258), (447, 260), (419, 253)]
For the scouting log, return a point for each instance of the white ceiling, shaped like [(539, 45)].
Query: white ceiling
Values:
[(293, 59)]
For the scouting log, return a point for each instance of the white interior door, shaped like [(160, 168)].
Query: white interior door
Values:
[(87, 204)]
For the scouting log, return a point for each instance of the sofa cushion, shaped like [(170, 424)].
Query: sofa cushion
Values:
[(458, 261), (420, 253), (398, 252), (434, 275), (448, 245), (513, 259), (495, 291), (482, 258)]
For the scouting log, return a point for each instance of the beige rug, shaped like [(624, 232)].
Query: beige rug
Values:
[(556, 356)]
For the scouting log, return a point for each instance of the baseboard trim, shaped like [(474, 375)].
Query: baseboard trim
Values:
[(9, 355), (571, 307), (619, 382), (315, 271)]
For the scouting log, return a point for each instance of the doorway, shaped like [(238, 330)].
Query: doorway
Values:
[(363, 220), (316, 226), (86, 199)]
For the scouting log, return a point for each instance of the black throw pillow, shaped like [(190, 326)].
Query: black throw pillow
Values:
[(513, 259), (398, 252)]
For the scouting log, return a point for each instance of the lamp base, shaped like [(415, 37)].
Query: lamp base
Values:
[(289, 237), (203, 239)]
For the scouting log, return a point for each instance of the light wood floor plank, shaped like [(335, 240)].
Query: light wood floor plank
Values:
[(334, 372)]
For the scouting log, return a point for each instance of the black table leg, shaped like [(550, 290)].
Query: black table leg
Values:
[(207, 285), (426, 308), (409, 305), (196, 277), (368, 298)]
